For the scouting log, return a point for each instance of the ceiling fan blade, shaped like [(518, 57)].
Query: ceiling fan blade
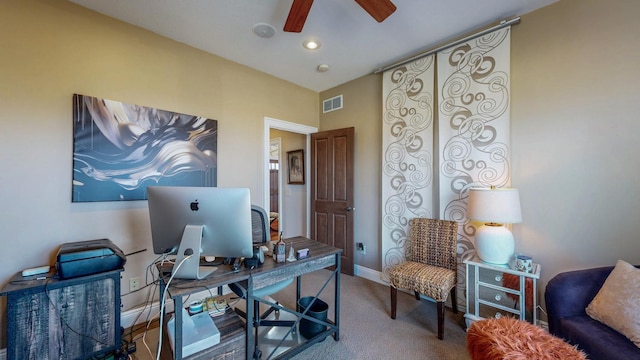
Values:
[(297, 15), (378, 9)]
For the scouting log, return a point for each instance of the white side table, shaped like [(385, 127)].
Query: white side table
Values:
[(499, 290)]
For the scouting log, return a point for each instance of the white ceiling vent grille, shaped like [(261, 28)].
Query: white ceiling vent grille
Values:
[(334, 103)]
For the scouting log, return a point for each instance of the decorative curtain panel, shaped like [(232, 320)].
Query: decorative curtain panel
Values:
[(473, 139), (407, 153), (473, 128)]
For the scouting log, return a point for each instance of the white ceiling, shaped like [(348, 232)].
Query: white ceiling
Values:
[(353, 44)]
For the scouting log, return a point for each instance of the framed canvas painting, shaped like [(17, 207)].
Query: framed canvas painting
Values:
[(119, 149)]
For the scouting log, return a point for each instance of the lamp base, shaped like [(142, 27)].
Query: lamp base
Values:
[(494, 244)]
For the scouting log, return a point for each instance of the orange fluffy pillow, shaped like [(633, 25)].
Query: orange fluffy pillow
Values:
[(510, 339)]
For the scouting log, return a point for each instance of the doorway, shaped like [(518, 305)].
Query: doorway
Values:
[(269, 124), (274, 186)]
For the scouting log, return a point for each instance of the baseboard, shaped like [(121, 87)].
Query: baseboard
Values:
[(369, 274), (141, 314)]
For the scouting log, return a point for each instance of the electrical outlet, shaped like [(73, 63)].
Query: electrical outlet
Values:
[(361, 248), (134, 284)]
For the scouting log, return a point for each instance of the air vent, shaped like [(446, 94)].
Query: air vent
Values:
[(334, 103)]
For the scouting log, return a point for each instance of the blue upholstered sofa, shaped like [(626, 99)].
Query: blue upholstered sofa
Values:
[(567, 295)]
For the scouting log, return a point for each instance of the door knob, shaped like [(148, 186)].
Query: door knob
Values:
[(349, 208)]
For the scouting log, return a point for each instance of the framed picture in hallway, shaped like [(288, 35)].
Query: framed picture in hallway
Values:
[(295, 163)]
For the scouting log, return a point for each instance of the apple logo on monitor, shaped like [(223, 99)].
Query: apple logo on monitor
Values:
[(194, 206)]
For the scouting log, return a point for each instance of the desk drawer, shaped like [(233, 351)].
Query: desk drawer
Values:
[(491, 276), (497, 296), (497, 311)]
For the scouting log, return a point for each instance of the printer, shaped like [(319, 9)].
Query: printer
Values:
[(89, 257)]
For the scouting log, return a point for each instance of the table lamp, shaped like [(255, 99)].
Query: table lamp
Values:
[(494, 207)]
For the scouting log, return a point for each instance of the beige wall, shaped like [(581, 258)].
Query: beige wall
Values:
[(575, 137), (50, 50), (576, 134), (362, 109)]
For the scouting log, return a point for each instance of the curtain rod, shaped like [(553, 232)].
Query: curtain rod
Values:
[(503, 23)]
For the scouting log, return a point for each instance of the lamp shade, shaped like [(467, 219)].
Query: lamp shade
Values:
[(496, 205)]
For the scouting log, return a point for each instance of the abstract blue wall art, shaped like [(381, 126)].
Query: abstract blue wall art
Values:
[(119, 149)]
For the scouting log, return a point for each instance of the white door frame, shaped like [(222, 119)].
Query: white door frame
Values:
[(271, 123)]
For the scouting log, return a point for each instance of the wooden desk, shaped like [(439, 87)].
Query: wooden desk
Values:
[(320, 256)]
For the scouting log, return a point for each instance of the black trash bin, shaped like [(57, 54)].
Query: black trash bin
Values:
[(318, 310)]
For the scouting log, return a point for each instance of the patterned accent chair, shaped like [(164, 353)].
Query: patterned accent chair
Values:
[(430, 266)]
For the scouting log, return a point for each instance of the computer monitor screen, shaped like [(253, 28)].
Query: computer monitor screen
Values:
[(200, 221)]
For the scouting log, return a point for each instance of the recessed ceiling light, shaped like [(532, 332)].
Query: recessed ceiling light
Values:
[(264, 30), (323, 68), (311, 44)]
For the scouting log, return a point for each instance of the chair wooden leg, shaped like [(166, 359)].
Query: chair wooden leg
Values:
[(440, 320), (417, 295), (394, 301), (454, 300)]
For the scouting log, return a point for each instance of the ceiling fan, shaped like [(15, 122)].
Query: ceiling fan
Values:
[(378, 9)]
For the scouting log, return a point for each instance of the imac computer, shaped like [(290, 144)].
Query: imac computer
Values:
[(191, 222)]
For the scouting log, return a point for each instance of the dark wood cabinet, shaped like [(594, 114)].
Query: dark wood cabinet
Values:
[(63, 319)]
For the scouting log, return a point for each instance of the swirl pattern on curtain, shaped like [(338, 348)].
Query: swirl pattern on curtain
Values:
[(473, 140), (407, 153), (474, 129)]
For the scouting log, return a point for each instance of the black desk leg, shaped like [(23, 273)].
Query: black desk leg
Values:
[(177, 328), (250, 341), (298, 287)]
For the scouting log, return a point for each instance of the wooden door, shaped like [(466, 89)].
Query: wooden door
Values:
[(273, 186), (332, 192)]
